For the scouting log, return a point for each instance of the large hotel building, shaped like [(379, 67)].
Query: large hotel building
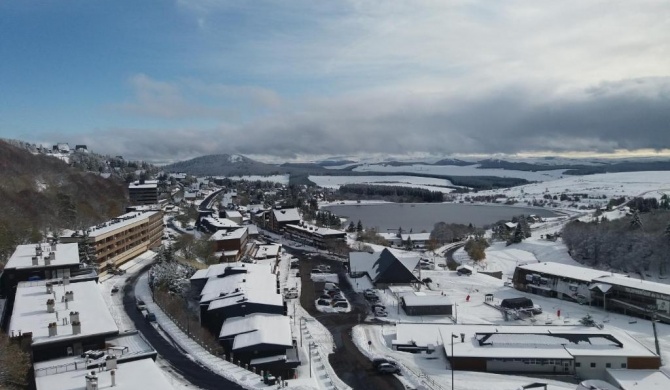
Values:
[(113, 243)]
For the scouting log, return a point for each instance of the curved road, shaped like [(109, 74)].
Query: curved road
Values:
[(190, 370)]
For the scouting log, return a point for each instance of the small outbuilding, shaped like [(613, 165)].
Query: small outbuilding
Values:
[(421, 304)]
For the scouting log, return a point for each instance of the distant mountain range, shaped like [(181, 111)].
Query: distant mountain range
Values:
[(237, 165)]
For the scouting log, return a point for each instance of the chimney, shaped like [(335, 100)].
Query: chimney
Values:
[(50, 305), (53, 329), (113, 375), (91, 381), (74, 316), (35, 260), (69, 296), (52, 256), (47, 260), (76, 327)]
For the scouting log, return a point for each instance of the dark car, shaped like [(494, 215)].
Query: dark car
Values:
[(378, 361), (377, 305), (325, 297), (323, 302), (386, 368), (341, 304)]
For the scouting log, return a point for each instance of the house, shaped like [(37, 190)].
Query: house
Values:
[(423, 304), (615, 292), (229, 244), (233, 290), (81, 148), (384, 268), (143, 192), (417, 240), (267, 251), (264, 341), (319, 237), (279, 218), (213, 224), (233, 215), (638, 379)]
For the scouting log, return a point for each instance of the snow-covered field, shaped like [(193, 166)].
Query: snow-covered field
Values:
[(428, 183), (653, 183), (468, 170), (281, 179)]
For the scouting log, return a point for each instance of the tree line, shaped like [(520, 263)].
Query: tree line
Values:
[(639, 242), (391, 193)]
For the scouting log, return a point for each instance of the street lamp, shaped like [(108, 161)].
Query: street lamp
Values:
[(453, 336)]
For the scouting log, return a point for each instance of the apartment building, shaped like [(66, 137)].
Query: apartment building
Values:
[(113, 243), (143, 192)]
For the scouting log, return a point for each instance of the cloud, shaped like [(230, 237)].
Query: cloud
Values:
[(193, 99), (630, 114)]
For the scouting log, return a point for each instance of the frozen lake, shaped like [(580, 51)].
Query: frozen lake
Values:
[(422, 216)]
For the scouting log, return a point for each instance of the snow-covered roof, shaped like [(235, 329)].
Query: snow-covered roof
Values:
[(286, 215), (558, 342), (423, 299), (146, 184), (319, 231), (510, 225), (640, 379), (565, 270), (223, 235), (215, 270), (138, 374), (375, 264), (120, 222), (416, 236), (253, 230), (30, 311), (65, 255), (233, 214), (638, 284), (242, 282), (222, 223), (261, 297), (257, 329), (265, 251)]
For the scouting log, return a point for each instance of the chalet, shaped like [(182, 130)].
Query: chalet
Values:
[(264, 341), (384, 268)]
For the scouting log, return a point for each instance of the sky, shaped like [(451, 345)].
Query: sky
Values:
[(165, 80)]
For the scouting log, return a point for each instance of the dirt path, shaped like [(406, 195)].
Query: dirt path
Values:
[(348, 362)]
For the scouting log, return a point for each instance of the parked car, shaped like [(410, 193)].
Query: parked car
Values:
[(323, 302), (325, 297), (291, 294), (537, 309), (140, 304), (115, 289), (386, 368), (341, 304), (370, 293), (377, 305), (338, 296), (379, 312), (331, 286), (379, 361), (374, 299)]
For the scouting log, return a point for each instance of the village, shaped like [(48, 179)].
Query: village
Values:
[(275, 294)]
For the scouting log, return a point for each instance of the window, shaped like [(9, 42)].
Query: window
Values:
[(608, 365), (623, 365), (578, 364), (593, 365)]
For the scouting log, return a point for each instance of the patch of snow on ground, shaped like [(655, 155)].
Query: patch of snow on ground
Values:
[(468, 170), (432, 184)]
